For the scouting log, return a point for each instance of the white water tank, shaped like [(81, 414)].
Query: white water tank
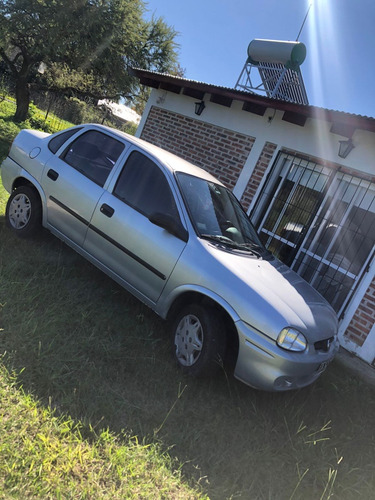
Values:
[(290, 54)]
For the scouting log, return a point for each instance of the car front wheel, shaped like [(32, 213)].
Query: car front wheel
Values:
[(24, 212), (199, 340)]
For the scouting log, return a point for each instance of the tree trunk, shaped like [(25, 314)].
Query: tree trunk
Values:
[(22, 100)]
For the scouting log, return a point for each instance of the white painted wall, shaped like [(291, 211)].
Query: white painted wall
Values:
[(313, 139)]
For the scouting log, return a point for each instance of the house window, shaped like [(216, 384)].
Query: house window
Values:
[(320, 222)]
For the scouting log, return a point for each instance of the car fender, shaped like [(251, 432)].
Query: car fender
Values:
[(165, 303), (23, 174)]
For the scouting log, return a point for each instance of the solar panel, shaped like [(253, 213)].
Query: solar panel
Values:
[(282, 83)]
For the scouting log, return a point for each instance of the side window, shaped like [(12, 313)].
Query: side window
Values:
[(143, 186), (57, 141), (93, 154)]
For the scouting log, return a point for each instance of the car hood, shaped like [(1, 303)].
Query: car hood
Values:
[(271, 297)]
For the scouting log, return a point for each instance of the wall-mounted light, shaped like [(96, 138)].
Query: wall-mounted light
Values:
[(199, 107), (345, 148)]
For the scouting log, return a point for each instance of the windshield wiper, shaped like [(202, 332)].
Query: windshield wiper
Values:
[(221, 239), (252, 247), (249, 247), (259, 250)]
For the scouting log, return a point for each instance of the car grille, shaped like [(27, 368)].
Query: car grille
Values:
[(323, 345)]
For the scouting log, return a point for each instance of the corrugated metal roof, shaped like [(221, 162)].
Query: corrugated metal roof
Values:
[(343, 123)]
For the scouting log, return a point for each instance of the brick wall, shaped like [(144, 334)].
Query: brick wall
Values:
[(258, 173), (220, 151), (364, 317)]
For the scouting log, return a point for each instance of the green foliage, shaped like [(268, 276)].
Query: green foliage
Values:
[(76, 111), (86, 46), (8, 129), (36, 119), (6, 108), (129, 128)]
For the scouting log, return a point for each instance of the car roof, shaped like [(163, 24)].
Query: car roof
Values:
[(173, 162)]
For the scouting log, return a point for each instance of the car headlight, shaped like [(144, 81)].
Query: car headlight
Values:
[(291, 340)]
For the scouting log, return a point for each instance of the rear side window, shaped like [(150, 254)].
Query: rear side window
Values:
[(93, 154), (55, 143), (143, 186)]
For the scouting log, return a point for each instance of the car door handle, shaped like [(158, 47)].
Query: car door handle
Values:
[(52, 174), (107, 210)]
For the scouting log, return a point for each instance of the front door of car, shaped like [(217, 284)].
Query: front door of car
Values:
[(121, 235), (73, 182)]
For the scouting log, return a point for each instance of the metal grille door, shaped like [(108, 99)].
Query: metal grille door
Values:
[(320, 222)]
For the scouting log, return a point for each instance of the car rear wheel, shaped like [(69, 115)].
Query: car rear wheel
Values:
[(199, 340), (24, 212)]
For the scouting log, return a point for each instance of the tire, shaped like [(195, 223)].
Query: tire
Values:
[(199, 340), (23, 212)]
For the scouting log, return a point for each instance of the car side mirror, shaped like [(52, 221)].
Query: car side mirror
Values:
[(170, 224)]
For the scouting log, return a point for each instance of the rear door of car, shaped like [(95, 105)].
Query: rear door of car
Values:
[(74, 180), (122, 237)]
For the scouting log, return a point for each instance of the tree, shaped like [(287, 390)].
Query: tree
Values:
[(86, 46)]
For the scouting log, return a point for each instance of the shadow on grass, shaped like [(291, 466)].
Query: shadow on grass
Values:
[(89, 349), (8, 119)]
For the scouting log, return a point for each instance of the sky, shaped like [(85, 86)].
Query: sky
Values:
[(339, 35)]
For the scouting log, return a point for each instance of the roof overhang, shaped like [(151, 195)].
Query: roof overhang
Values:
[(343, 124)]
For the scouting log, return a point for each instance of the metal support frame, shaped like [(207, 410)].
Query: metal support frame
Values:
[(277, 81)]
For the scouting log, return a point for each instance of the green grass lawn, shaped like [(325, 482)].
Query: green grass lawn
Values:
[(43, 456), (93, 406)]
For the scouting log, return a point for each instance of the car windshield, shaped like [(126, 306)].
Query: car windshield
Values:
[(218, 216)]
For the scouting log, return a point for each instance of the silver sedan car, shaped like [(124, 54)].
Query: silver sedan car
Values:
[(177, 239)]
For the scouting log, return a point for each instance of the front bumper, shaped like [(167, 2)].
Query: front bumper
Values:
[(262, 364)]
